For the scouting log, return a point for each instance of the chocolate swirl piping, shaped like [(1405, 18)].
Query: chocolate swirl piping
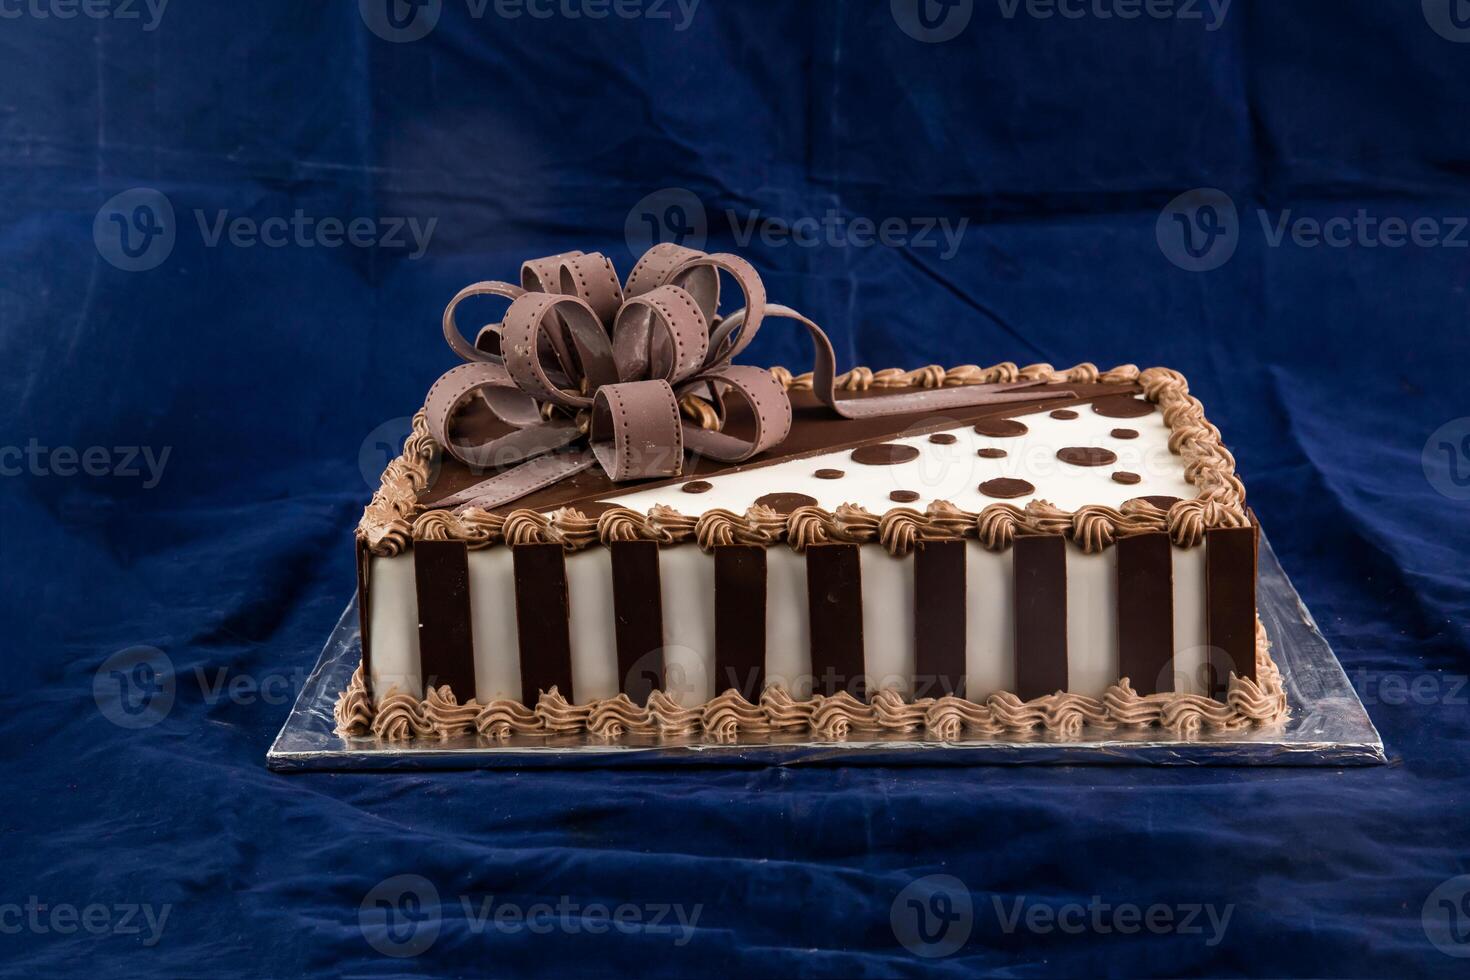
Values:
[(764, 526), (996, 525), (671, 526), (807, 526), (446, 716), (400, 716), (354, 709)]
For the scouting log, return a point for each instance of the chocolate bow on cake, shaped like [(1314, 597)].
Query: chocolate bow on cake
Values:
[(586, 372)]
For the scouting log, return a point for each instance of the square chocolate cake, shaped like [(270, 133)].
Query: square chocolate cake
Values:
[(601, 525)]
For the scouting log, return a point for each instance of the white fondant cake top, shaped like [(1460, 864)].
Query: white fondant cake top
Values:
[(954, 472)]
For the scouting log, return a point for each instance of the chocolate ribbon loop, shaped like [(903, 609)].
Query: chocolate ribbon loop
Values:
[(586, 371)]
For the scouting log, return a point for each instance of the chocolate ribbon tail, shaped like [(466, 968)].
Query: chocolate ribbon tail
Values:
[(939, 399), (824, 381), (514, 483), (716, 445)]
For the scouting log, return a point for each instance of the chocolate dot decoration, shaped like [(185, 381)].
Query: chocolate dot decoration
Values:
[(1087, 456), (1126, 478), (943, 439), (991, 453), (1064, 413), (1122, 407), (1005, 487), (1161, 501), (826, 474), (1124, 433), (884, 454), (785, 503), (1001, 428), (698, 486), (903, 496)]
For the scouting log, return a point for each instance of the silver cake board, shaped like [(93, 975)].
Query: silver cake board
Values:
[(1328, 725)]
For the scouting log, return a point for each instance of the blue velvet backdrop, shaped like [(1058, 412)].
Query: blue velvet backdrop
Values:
[(201, 376)]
